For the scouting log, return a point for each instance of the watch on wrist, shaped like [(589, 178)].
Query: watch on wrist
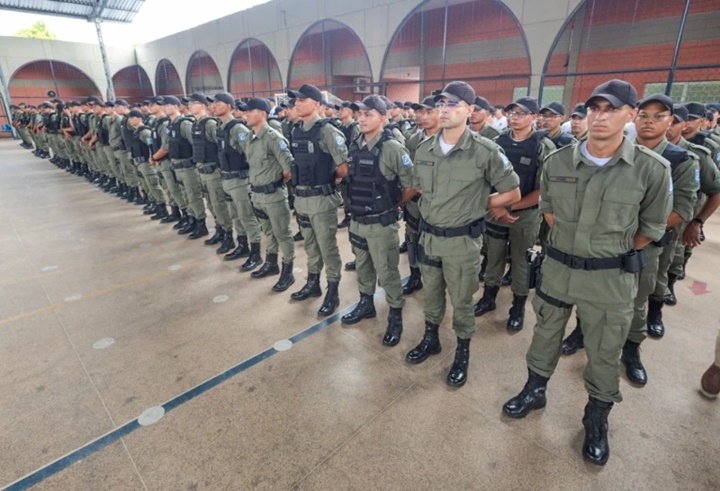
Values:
[(698, 220)]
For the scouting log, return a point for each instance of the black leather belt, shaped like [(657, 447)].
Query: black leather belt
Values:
[(139, 160), (412, 221), (236, 174), (632, 262), (116, 148), (474, 230), (208, 168), (322, 190), (268, 188), (185, 164), (384, 219), (497, 231)]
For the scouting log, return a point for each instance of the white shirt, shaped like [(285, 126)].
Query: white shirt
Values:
[(597, 161), (444, 147), (500, 123)]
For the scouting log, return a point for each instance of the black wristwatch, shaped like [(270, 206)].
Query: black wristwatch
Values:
[(698, 220)]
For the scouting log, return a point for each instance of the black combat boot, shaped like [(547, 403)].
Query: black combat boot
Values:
[(531, 397), (414, 283), (507, 279), (217, 237), (183, 220), (403, 248), (670, 298), (394, 328), (298, 237), (596, 448), (457, 376), (350, 266), (173, 216), (254, 259), (655, 326), (487, 302), (365, 309), (574, 341), (120, 189), (141, 198), (132, 194), (517, 313), (114, 187), (242, 249), (483, 269), (200, 230), (287, 278), (634, 368), (189, 226), (430, 345), (160, 212), (310, 289), (269, 268), (227, 244), (332, 299), (150, 208)]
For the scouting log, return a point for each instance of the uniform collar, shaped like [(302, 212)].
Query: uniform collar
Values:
[(626, 153), (660, 148), (371, 144), (308, 126), (262, 131), (463, 143)]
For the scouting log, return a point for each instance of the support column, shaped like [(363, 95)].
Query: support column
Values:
[(6, 102), (106, 65)]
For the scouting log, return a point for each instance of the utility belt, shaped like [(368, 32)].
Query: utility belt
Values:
[(206, 169), (235, 174), (140, 160), (412, 221), (268, 188), (308, 192), (303, 221), (117, 147), (386, 218), (667, 239), (474, 230), (630, 262), (535, 259), (185, 164)]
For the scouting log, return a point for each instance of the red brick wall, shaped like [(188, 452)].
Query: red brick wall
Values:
[(132, 84), (203, 74), (265, 79), (167, 80), (31, 82)]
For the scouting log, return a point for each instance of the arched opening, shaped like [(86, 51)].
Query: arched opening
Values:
[(132, 84), (478, 41), (254, 72), (203, 74), (31, 82), (331, 56), (167, 80)]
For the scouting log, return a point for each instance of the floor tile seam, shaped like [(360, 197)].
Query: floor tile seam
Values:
[(134, 464)]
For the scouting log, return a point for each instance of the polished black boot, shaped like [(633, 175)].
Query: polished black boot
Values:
[(287, 278), (227, 244), (217, 237), (141, 198), (310, 289), (269, 268), (507, 279), (670, 298), (332, 299), (189, 226), (132, 194), (200, 230), (345, 221), (403, 248), (655, 326), (414, 283), (457, 376), (634, 368), (394, 329), (350, 266), (483, 269), (365, 309), (574, 341), (430, 345), (487, 302), (183, 220), (297, 237), (242, 249), (531, 397), (150, 208), (173, 216), (160, 212), (121, 189), (596, 448), (254, 259), (113, 186), (517, 313)]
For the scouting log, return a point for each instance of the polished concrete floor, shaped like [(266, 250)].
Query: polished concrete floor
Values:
[(104, 314)]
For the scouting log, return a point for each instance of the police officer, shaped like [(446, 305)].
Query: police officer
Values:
[(480, 119), (320, 154), (379, 180), (270, 164), (549, 119), (455, 171), (693, 130), (111, 136), (518, 224), (605, 200), (140, 151), (578, 122), (232, 135), (394, 120), (351, 131)]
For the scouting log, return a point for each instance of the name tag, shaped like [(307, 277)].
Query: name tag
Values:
[(565, 179), (525, 160)]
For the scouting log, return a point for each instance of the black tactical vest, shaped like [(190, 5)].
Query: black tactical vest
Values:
[(156, 138), (203, 150), (103, 133), (312, 166), (178, 147), (126, 133), (562, 140), (524, 157), (348, 131), (230, 159), (675, 155), (139, 150), (369, 192)]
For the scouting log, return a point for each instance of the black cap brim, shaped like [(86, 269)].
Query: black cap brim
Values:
[(452, 97), (614, 101), (515, 104)]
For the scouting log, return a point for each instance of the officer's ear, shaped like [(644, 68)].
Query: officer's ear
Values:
[(632, 115)]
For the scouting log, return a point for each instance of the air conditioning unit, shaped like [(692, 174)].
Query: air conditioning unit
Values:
[(362, 85)]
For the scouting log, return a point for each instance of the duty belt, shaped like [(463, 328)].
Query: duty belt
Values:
[(208, 168), (185, 164), (410, 219), (268, 188), (385, 218), (474, 230), (632, 262), (236, 174), (117, 147), (322, 190), (139, 160)]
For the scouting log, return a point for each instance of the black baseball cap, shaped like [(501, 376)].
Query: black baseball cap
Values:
[(482, 103), (258, 103), (77, 104), (680, 112), (555, 108), (695, 109), (399, 104), (408, 105), (291, 102), (458, 91), (427, 103), (121, 102), (369, 103), (145, 103), (185, 100), (345, 104), (171, 99), (579, 110), (713, 106), (225, 97), (93, 100), (307, 91), (527, 104), (198, 97), (617, 92), (661, 98), (136, 113), (109, 104), (156, 99)]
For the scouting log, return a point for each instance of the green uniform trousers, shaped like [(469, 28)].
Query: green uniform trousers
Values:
[(216, 197), (376, 258), (412, 234), (605, 328), (682, 253), (25, 135), (646, 286), (173, 186), (275, 223), (114, 163), (319, 231), (127, 167), (522, 236), (102, 161), (241, 207), (150, 177), (190, 180)]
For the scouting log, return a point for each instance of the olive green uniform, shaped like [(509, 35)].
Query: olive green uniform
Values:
[(597, 211), (109, 149), (489, 131), (268, 156), (211, 180), (412, 210), (188, 176), (148, 172), (317, 215), (455, 190), (354, 135), (171, 183)]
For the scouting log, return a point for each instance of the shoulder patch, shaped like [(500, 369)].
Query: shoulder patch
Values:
[(242, 136), (340, 140), (282, 145), (697, 176), (406, 162), (670, 187)]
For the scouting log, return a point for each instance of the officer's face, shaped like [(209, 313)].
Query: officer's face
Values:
[(478, 116), (605, 122), (346, 113), (255, 117), (519, 119), (578, 125), (420, 116), (371, 121), (306, 107), (653, 120), (221, 108), (692, 126), (453, 114), (550, 121), (329, 112), (410, 113), (135, 121), (432, 119), (675, 131)]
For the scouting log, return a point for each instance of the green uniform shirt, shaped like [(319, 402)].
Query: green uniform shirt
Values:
[(412, 144), (597, 211), (144, 134), (112, 123), (239, 135), (394, 160), (162, 131), (709, 174), (456, 187), (268, 156), (275, 124), (488, 131), (354, 131)]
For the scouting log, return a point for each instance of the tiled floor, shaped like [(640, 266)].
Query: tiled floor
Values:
[(337, 411)]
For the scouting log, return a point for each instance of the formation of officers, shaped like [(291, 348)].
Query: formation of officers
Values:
[(591, 219)]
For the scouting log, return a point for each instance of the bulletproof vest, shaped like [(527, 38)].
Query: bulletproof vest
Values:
[(178, 147), (65, 121), (149, 120), (312, 166), (675, 155), (53, 123), (203, 150), (703, 138), (139, 148), (348, 131), (103, 133), (126, 133), (230, 159), (156, 139), (369, 192), (84, 125), (524, 157), (562, 140)]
